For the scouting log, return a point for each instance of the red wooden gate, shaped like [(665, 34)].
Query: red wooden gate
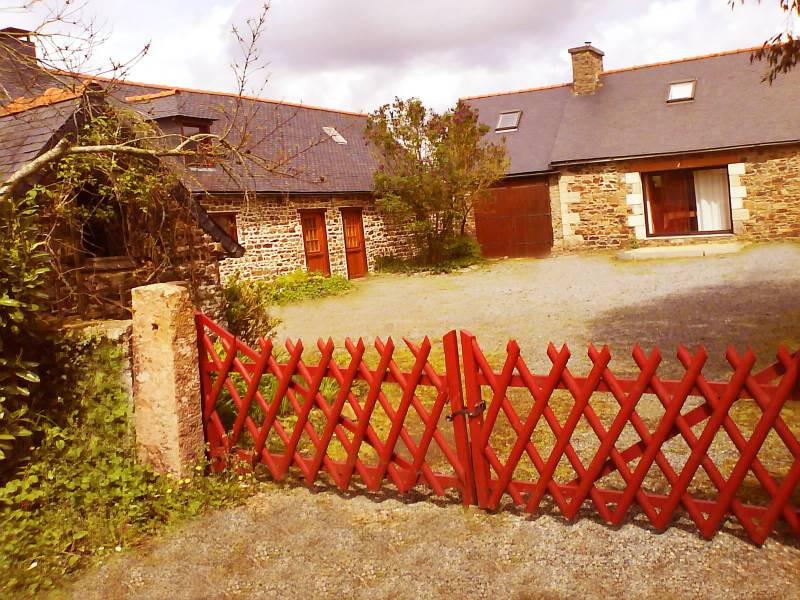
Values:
[(340, 417), (520, 437)]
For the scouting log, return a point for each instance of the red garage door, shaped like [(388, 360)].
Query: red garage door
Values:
[(516, 222)]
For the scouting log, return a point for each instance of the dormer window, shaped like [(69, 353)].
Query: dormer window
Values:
[(508, 121), (201, 158), (680, 91), (334, 135)]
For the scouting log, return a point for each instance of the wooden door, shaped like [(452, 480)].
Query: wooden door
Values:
[(315, 241), (354, 246), (516, 221)]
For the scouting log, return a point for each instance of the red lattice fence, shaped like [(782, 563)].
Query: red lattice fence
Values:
[(714, 449)]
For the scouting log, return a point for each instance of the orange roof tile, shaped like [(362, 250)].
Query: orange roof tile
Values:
[(50, 96), (143, 97)]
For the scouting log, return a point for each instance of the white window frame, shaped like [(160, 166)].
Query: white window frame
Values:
[(335, 135), (682, 98), (513, 127)]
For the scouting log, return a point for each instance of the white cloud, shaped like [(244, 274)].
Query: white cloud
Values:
[(357, 54)]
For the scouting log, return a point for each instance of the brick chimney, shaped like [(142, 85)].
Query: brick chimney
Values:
[(20, 71), (587, 64)]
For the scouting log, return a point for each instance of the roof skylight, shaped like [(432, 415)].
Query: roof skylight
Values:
[(508, 121), (334, 135), (681, 90)]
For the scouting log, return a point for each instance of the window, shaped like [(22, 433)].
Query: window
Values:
[(681, 91), (508, 120), (201, 159), (334, 135), (687, 201), (227, 221)]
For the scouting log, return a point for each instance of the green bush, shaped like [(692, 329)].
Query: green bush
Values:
[(248, 303), (464, 248), (247, 309), (82, 495), (459, 252), (23, 268)]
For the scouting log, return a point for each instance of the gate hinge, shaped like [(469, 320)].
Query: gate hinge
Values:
[(465, 411)]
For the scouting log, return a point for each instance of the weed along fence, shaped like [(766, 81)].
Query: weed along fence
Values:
[(717, 451), (446, 418)]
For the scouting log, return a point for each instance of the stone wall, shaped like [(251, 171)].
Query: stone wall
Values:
[(556, 212), (769, 193), (100, 288), (269, 229), (602, 205), (592, 207)]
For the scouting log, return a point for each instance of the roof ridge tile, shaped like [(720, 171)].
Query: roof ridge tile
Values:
[(173, 88)]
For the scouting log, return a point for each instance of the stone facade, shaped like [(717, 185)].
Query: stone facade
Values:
[(269, 229), (603, 205), (100, 287), (592, 207), (554, 190), (768, 194)]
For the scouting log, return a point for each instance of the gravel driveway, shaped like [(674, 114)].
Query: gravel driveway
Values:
[(752, 297), (293, 543)]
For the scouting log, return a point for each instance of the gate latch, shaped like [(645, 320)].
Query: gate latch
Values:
[(465, 411)]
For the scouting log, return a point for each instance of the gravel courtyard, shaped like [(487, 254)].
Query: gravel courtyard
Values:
[(292, 542), (748, 298)]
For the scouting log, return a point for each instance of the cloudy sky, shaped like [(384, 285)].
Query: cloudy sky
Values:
[(358, 54)]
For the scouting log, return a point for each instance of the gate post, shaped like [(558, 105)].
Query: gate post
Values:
[(166, 384), (477, 445), (458, 416)]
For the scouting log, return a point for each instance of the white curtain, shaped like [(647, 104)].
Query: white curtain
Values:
[(713, 203)]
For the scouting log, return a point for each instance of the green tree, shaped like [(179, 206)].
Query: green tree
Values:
[(782, 51), (433, 170)]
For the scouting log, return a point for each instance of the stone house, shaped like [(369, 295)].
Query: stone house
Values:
[(93, 270), (300, 198), (685, 151), (295, 192)]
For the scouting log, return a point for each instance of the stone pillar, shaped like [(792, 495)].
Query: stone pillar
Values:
[(166, 382)]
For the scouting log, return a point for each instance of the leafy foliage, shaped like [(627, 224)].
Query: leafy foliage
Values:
[(23, 268), (434, 170), (781, 51), (459, 252), (249, 302), (248, 309), (303, 285), (82, 495), (102, 204)]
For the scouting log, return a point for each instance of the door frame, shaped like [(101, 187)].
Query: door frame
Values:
[(303, 212)]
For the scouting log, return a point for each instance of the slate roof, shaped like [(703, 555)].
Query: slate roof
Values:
[(629, 116), (288, 136), (24, 135)]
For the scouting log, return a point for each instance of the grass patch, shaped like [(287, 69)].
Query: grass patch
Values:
[(302, 285), (248, 303), (82, 496)]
